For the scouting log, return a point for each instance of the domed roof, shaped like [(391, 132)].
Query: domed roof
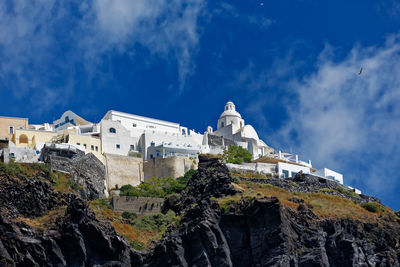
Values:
[(249, 132), (230, 110)]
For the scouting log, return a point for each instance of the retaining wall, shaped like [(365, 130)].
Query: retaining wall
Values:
[(138, 205)]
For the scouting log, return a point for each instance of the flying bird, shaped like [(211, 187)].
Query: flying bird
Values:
[(360, 71)]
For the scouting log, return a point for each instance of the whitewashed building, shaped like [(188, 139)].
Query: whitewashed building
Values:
[(232, 126), (122, 133)]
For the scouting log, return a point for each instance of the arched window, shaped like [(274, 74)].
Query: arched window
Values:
[(112, 130), (23, 139)]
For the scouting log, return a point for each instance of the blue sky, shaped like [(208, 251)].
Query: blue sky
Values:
[(290, 67)]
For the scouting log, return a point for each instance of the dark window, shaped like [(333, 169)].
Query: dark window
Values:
[(132, 147), (134, 125), (78, 144), (118, 146), (11, 130), (112, 130), (97, 148), (222, 124), (152, 143), (293, 174), (285, 174), (84, 145), (92, 148)]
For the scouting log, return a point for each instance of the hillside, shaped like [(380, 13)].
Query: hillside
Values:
[(219, 219)]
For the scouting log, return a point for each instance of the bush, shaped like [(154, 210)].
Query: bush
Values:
[(237, 155), (129, 215), (158, 186), (370, 206)]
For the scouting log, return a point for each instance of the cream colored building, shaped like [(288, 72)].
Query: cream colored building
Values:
[(92, 144), (32, 138), (8, 125)]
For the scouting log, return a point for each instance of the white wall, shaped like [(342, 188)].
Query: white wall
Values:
[(327, 173), (122, 137), (138, 124), (291, 168)]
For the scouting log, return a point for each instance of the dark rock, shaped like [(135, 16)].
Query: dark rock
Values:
[(86, 170)]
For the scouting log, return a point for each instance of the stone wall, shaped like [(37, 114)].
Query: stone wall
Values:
[(168, 167), (122, 170), (253, 167), (86, 170), (138, 205)]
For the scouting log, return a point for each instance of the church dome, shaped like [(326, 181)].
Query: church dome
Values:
[(249, 132), (230, 110)]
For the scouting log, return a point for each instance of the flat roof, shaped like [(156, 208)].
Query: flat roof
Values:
[(8, 117), (143, 117)]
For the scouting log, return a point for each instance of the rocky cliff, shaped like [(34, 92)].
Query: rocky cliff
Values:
[(224, 222)]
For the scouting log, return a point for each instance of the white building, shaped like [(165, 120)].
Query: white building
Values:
[(231, 126), (287, 170), (122, 133), (327, 173)]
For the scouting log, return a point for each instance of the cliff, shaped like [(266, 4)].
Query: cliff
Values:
[(224, 221)]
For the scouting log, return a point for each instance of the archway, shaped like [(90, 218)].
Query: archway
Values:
[(23, 139)]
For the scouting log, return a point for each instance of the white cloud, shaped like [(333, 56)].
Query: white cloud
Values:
[(347, 121), (44, 43)]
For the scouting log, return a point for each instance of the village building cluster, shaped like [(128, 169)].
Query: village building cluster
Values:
[(134, 148)]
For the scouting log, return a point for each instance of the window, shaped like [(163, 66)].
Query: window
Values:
[(222, 124), (112, 130), (152, 143), (117, 146), (293, 174), (97, 148), (132, 147), (92, 147), (12, 155), (84, 145), (241, 124), (11, 129), (285, 174), (78, 144), (134, 125)]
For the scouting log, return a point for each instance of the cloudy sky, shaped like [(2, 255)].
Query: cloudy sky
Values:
[(291, 67)]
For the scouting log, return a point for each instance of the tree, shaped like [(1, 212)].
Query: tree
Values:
[(237, 155)]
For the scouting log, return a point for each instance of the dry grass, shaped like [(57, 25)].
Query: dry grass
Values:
[(324, 205), (45, 222), (140, 238)]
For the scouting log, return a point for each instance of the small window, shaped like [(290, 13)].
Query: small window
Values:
[(152, 143), (84, 145), (11, 129), (134, 125), (78, 144), (117, 146), (97, 148), (294, 174), (222, 124), (12, 155), (132, 147), (285, 174), (112, 130), (92, 147)]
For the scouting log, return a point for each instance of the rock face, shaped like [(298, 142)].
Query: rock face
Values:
[(86, 170), (31, 197), (77, 239), (265, 233), (255, 232)]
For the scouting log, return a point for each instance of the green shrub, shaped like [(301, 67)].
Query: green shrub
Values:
[(129, 215), (347, 192), (158, 186), (157, 221), (370, 206), (237, 155)]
